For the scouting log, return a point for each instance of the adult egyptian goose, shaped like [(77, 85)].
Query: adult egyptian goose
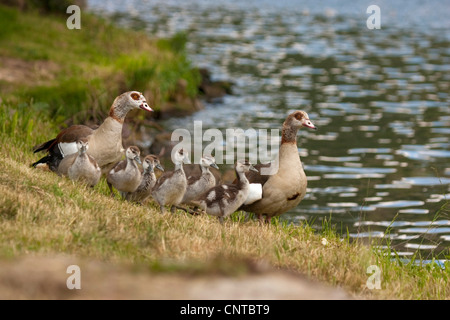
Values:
[(126, 176), (223, 200), (199, 184), (284, 189), (105, 142), (148, 180), (171, 186), (81, 166)]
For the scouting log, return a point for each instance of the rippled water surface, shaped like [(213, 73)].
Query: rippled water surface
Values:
[(379, 163)]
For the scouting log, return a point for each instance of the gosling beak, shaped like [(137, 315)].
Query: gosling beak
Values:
[(159, 167), (214, 166), (138, 160)]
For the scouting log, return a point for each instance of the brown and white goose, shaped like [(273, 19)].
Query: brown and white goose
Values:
[(148, 180), (171, 186), (223, 200), (199, 184), (105, 142), (284, 189), (126, 176)]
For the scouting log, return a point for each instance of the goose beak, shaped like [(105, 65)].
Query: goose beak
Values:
[(309, 124), (252, 168), (215, 166), (159, 167), (145, 106), (187, 161)]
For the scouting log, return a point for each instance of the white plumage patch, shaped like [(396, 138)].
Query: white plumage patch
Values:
[(254, 193), (67, 148), (211, 196)]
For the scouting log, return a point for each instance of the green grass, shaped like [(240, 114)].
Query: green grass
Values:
[(91, 66)]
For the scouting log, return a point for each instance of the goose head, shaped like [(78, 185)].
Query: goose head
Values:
[(151, 162), (133, 153), (138, 101), (208, 161), (180, 156), (299, 119), (82, 146), (126, 102), (243, 166)]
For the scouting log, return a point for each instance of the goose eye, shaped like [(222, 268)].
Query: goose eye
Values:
[(135, 96)]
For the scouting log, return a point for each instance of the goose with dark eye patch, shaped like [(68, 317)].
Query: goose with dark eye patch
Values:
[(171, 186), (105, 142), (199, 184), (148, 180), (223, 200), (126, 176), (283, 189), (81, 166)]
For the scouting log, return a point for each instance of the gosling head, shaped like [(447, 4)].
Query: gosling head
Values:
[(133, 153), (151, 162), (82, 145), (208, 161), (180, 156), (243, 166)]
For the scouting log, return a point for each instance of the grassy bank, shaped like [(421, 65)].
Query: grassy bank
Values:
[(43, 214), (77, 73)]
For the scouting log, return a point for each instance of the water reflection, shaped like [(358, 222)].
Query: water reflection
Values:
[(380, 99)]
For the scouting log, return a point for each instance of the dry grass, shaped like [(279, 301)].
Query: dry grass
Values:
[(44, 214)]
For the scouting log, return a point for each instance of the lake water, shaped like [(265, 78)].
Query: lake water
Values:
[(379, 163)]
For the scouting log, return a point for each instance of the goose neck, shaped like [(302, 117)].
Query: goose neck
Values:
[(289, 134), (119, 110)]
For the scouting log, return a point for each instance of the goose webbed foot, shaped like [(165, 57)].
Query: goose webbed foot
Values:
[(193, 212)]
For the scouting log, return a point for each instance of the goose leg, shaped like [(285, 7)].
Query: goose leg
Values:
[(162, 209), (261, 219), (268, 219), (111, 189), (172, 209)]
